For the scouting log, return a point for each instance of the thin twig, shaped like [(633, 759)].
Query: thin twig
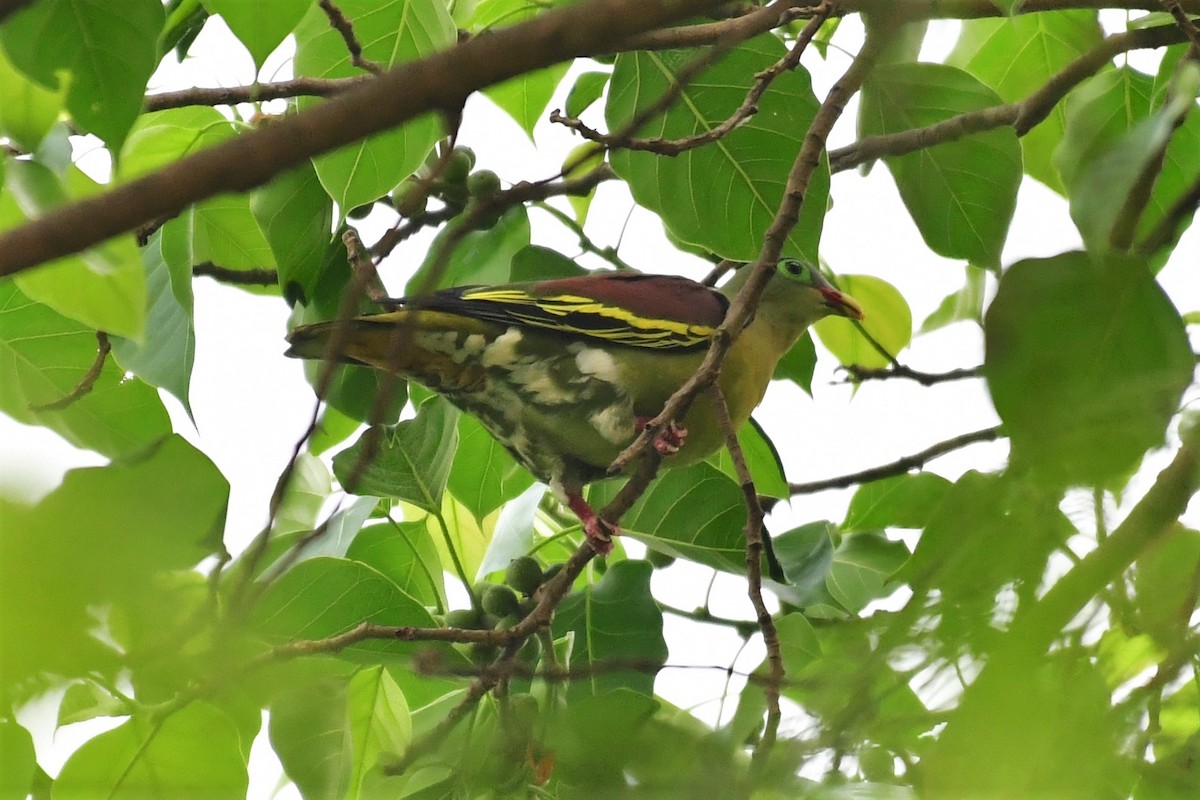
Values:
[(747, 109), (346, 29), (754, 554), (86, 383), (254, 93), (1022, 116), (861, 374), (742, 308), (900, 466), (243, 277)]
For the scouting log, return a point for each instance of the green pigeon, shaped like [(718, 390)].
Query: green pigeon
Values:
[(566, 372)]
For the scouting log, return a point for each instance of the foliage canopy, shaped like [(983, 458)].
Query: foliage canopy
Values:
[(1020, 650)]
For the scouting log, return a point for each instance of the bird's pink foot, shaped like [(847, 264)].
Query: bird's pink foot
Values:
[(669, 439), (599, 532)]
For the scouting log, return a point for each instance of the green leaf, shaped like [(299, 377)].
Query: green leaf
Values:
[(1086, 360), (45, 355), (961, 194), (378, 723), (1016, 57), (19, 760), (27, 110), (586, 90), (484, 476), (164, 137), (513, 535), (483, 257), (862, 565), (166, 358), (391, 34), (616, 619), (308, 730), (582, 160), (325, 597), (1115, 116), (806, 555), (1043, 728), (525, 97), (303, 497), (87, 700), (693, 512), (103, 287), (724, 195), (411, 461), (798, 364), (296, 217), (888, 321), (965, 304), (405, 553), (903, 501), (261, 25), (195, 752), (226, 233), (536, 263), (762, 459), (1164, 585), (95, 541), (109, 47)]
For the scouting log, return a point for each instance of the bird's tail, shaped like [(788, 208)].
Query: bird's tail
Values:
[(413, 343)]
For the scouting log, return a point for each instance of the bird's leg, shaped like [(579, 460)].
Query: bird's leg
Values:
[(669, 439), (599, 533)]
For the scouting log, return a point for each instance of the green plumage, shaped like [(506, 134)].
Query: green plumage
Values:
[(564, 373)]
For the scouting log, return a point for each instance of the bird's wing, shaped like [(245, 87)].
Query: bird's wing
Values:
[(652, 311)]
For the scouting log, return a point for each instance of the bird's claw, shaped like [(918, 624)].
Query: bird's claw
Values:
[(669, 439), (599, 534)]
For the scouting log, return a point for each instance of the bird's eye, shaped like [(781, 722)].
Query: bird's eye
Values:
[(793, 267)]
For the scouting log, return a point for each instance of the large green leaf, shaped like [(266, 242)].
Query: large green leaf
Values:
[(484, 475), (96, 541), (27, 110), (961, 194), (379, 724), (163, 137), (390, 34), (483, 257), (193, 752), (888, 321), (308, 729), (103, 287), (19, 760), (109, 48), (1116, 127), (411, 461), (261, 25), (1043, 728), (325, 597), (694, 512), (616, 619), (904, 501), (724, 195), (296, 217), (166, 358), (1016, 57), (405, 553), (45, 355), (762, 459), (1086, 360)]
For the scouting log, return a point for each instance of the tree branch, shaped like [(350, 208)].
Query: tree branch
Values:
[(255, 93), (860, 374), (900, 466), (87, 382), (437, 82), (1023, 115)]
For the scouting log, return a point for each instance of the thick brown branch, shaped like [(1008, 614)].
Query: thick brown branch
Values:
[(900, 466), (743, 27), (85, 384), (412, 89)]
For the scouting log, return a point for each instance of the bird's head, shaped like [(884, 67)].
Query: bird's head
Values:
[(799, 283)]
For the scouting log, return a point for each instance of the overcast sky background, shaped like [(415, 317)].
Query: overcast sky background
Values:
[(251, 404)]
